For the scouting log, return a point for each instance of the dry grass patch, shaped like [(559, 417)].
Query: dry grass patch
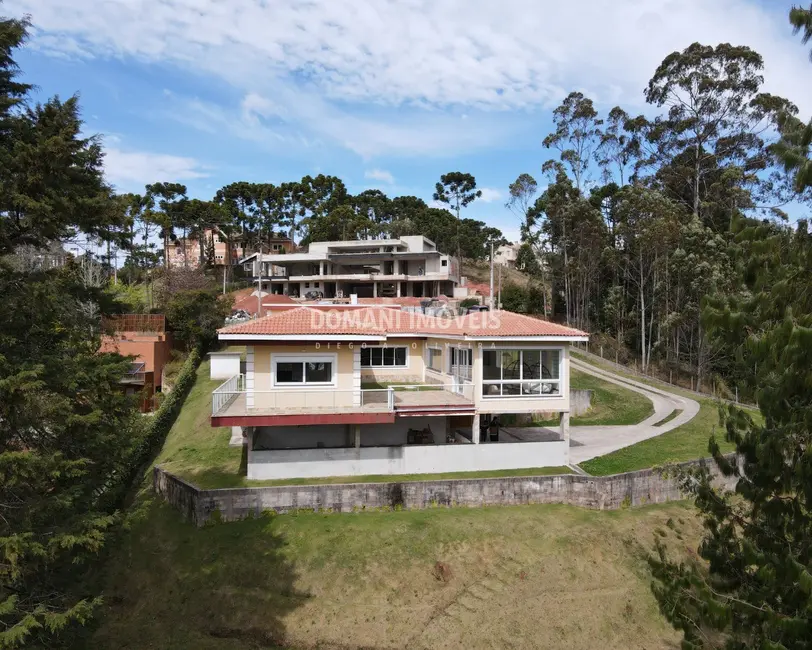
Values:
[(521, 577)]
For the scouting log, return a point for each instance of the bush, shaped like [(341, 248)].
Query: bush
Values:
[(469, 302), (196, 315), (156, 430)]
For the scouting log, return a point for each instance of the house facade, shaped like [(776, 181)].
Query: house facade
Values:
[(144, 337), (380, 391), (410, 266), (187, 253)]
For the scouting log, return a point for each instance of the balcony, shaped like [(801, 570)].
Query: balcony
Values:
[(232, 400), (136, 374)]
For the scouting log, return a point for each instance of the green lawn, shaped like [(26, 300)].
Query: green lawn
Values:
[(519, 577), (611, 404), (200, 453), (194, 449), (686, 442)]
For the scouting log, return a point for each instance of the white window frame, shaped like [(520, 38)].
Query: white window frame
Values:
[(455, 350), (304, 358), (383, 347), (427, 358), (521, 381)]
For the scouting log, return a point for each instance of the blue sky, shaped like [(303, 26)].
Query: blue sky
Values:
[(380, 93)]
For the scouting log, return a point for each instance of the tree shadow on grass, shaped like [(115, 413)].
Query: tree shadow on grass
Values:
[(171, 584)]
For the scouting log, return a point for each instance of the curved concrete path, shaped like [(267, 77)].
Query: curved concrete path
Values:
[(589, 442)]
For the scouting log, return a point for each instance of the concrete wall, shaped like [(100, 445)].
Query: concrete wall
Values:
[(224, 365), (602, 493), (408, 459)]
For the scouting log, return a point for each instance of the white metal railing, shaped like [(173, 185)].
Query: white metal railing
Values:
[(231, 395), (227, 392)]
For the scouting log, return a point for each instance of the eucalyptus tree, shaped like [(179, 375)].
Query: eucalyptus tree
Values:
[(577, 136)]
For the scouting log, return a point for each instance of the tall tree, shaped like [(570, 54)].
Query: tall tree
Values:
[(577, 135), (170, 198), (754, 588), (801, 20), (457, 190), (710, 143), (522, 194), (65, 428)]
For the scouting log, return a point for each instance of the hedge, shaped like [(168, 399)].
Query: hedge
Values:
[(156, 430)]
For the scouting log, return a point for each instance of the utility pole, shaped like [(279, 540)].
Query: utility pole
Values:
[(259, 283), (491, 288), (499, 301), (224, 279)]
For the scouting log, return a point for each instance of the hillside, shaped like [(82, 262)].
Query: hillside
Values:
[(520, 577), (479, 272)]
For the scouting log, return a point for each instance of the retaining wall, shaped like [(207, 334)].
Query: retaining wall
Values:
[(596, 492)]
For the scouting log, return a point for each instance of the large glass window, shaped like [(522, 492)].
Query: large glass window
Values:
[(518, 373), (434, 359), (380, 357), (317, 371)]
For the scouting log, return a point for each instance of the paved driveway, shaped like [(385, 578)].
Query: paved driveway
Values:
[(589, 442)]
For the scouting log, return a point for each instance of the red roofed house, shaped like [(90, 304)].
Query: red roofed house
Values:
[(338, 392), (144, 337)]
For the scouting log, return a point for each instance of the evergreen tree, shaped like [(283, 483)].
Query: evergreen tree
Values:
[(756, 589), (65, 428)]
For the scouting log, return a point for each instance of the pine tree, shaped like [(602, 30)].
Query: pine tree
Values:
[(755, 590), (65, 429)]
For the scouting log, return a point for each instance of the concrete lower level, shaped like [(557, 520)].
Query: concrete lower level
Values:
[(406, 459), (409, 445)]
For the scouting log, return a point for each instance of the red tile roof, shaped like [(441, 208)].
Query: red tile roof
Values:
[(247, 301), (380, 321)]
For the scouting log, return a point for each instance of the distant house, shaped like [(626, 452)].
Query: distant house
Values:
[(506, 255), (406, 267), (144, 337), (187, 254), (376, 390)]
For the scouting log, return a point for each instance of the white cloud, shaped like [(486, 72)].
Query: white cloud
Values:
[(515, 53), (334, 70), (489, 194), (131, 170), (302, 119), (379, 175)]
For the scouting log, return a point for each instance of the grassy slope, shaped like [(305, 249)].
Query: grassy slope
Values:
[(200, 453), (523, 577), (611, 404), (686, 442)]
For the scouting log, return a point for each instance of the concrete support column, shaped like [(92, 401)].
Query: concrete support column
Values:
[(321, 268), (302, 290), (397, 289), (565, 431), (357, 428), (374, 289), (475, 429)]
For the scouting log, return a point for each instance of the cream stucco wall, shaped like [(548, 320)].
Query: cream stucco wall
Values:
[(413, 373), (339, 394)]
